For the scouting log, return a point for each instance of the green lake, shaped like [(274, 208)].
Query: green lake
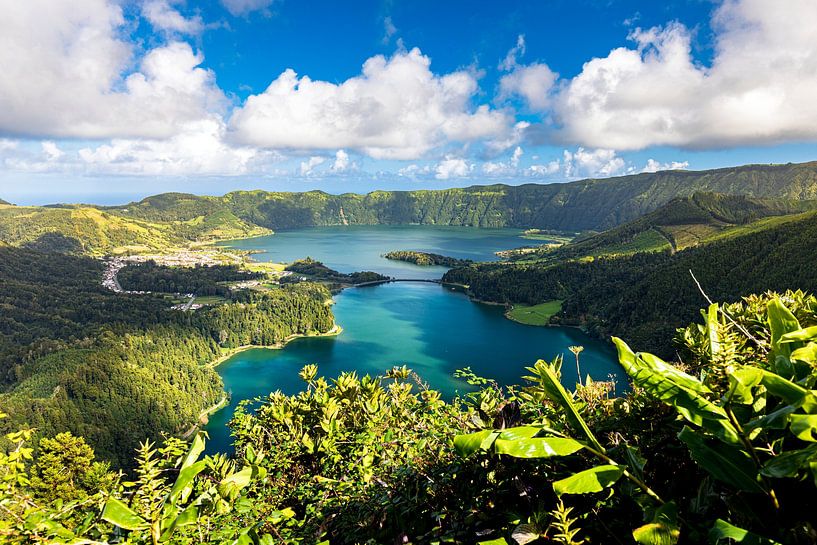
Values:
[(430, 328)]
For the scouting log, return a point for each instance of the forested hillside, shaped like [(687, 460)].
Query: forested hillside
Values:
[(177, 219), (648, 295), (94, 231), (118, 368), (575, 206), (679, 224)]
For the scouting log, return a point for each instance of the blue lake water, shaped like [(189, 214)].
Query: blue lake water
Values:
[(428, 327)]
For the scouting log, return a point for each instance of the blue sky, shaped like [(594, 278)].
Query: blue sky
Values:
[(111, 100)]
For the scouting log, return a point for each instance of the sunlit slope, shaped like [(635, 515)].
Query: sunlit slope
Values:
[(95, 231), (682, 223), (575, 206)]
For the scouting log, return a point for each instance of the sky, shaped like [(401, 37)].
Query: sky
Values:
[(107, 101)]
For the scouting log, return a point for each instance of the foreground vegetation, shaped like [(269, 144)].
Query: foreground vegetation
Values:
[(378, 460)]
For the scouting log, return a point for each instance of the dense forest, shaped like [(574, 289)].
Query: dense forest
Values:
[(199, 280), (315, 270), (176, 219), (647, 296), (118, 368), (426, 259), (386, 460)]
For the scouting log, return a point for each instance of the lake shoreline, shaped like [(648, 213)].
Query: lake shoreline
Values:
[(333, 332), (204, 416)]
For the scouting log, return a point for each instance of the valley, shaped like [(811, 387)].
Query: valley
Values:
[(180, 314)]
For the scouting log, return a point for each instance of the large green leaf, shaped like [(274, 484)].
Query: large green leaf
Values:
[(121, 515), (195, 450), (184, 482), (537, 447), (723, 530), (800, 335), (789, 464), (556, 393), (656, 533), (629, 359), (781, 322), (663, 530), (790, 392), (519, 432), (669, 387), (467, 444), (590, 480), (726, 463), (713, 328), (804, 426)]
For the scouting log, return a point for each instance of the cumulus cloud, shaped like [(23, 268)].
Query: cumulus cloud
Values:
[(51, 150), (198, 149), (244, 7), (452, 168), (654, 166), (342, 162), (592, 163), (531, 82), (163, 16), (547, 169), (396, 109), (70, 78), (759, 88), (309, 165)]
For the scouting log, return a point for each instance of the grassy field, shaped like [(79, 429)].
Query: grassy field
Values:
[(534, 315)]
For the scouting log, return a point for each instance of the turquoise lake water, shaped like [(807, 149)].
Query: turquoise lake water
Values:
[(430, 328)]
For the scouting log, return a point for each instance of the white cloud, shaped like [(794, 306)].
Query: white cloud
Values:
[(389, 30), (654, 166), (244, 7), (517, 155), (70, 78), (452, 168), (7, 144), (51, 150), (759, 88), (397, 109), (309, 165), (163, 16), (510, 61), (532, 82), (592, 163), (544, 170), (342, 162)]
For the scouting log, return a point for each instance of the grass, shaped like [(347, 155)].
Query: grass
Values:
[(534, 315), (210, 300)]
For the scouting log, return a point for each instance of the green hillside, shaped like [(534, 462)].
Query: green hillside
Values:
[(177, 219), (576, 206), (679, 224), (95, 231), (119, 368), (647, 295)]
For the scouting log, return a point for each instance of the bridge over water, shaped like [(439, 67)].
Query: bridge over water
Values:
[(390, 280)]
